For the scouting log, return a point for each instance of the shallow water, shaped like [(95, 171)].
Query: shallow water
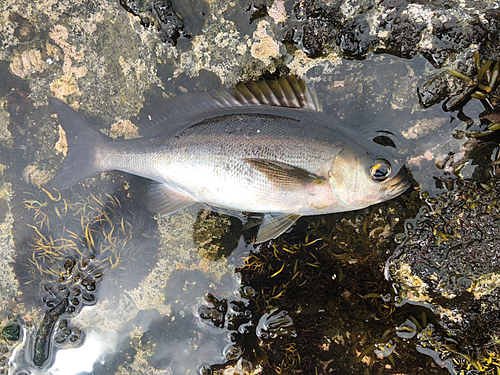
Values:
[(187, 294)]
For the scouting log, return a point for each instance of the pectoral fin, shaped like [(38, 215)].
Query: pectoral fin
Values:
[(283, 174), (165, 200), (274, 225)]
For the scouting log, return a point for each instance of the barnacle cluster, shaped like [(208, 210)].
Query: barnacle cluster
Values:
[(72, 242)]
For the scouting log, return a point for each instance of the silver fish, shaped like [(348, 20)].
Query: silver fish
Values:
[(266, 148)]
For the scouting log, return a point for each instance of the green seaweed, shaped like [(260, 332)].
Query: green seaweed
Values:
[(42, 341), (11, 332)]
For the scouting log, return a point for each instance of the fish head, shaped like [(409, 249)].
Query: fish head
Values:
[(360, 177)]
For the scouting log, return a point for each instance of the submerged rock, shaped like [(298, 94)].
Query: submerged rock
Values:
[(449, 259), (448, 262)]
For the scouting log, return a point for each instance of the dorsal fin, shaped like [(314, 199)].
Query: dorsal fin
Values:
[(284, 92)]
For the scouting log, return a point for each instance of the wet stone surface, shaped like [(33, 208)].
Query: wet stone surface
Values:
[(159, 16), (449, 258), (439, 31)]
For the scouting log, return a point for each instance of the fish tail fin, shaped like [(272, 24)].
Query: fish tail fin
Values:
[(83, 142)]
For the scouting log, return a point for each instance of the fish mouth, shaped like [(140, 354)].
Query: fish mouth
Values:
[(399, 183)]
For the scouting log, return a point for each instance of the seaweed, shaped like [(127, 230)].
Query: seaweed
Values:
[(43, 336)]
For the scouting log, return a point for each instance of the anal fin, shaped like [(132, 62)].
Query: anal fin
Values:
[(165, 200), (274, 225)]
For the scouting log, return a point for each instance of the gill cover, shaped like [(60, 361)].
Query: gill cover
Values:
[(343, 177), (359, 179)]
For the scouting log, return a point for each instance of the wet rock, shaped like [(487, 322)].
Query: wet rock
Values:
[(24, 30), (160, 16), (214, 234), (4, 209), (476, 80), (448, 260), (312, 27), (353, 28)]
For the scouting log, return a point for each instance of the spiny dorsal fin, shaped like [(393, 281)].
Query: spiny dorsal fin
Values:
[(285, 92), (283, 174)]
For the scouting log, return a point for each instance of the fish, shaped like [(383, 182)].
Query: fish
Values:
[(265, 148)]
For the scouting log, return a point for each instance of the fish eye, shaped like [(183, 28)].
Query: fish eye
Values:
[(380, 170)]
